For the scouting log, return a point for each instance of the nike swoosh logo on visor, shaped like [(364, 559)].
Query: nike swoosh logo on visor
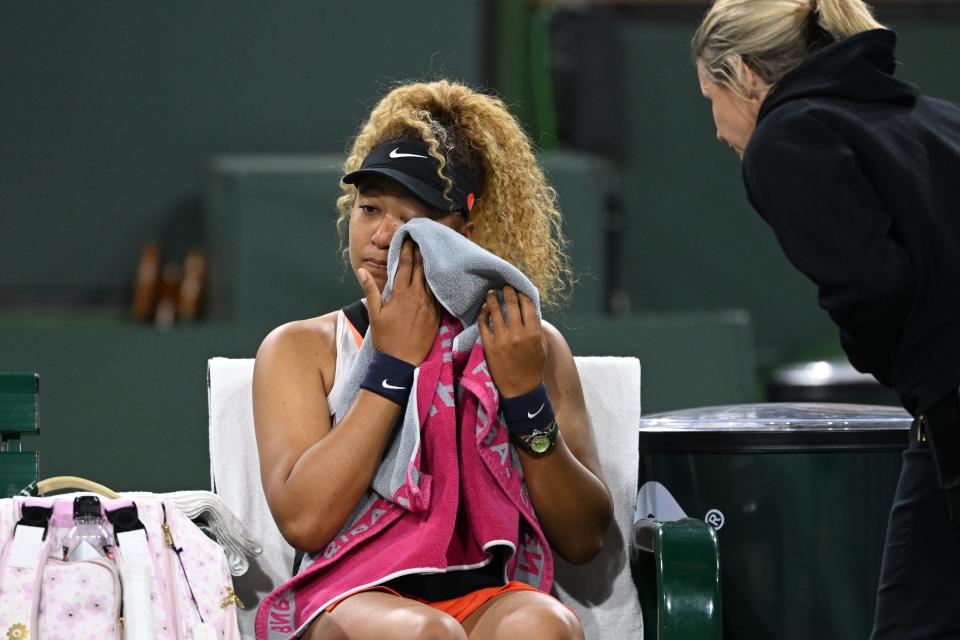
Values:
[(531, 416), (387, 385), (396, 154)]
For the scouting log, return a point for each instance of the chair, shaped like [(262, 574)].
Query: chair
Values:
[(677, 561)]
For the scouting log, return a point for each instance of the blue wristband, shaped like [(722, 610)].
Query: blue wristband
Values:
[(523, 414), (389, 377)]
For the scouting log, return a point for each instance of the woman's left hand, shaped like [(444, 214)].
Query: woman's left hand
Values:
[(513, 345)]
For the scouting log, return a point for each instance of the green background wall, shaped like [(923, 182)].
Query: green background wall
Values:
[(111, 110)]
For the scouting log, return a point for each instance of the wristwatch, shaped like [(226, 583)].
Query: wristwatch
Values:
[(539, 441)]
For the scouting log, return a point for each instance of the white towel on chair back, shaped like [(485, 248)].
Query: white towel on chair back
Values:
[(601, 592), (235, 477)]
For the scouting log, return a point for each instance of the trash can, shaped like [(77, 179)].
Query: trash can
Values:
[(799, 494)]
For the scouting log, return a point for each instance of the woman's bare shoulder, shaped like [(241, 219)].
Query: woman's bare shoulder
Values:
[(556, 343), (311, 342), (319, 327), (561, 370)]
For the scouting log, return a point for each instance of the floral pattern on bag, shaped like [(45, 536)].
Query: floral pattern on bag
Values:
[(81, 599)]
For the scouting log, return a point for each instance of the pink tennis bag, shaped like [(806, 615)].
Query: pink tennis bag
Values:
[(160, 578)]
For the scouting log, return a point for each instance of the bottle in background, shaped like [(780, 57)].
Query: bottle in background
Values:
[(146, 286), (192, 285), (169, 291)]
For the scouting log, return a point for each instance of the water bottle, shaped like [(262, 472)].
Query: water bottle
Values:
[(87, 539)]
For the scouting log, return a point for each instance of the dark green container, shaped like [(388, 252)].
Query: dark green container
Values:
[(799, 494)]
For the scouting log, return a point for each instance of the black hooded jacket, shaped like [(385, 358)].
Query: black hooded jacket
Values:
[(859, 177)]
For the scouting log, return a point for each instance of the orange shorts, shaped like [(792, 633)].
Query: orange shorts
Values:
[(459, 608)]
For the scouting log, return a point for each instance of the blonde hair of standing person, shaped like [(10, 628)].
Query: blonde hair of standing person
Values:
[(772, 37), (516, 215)]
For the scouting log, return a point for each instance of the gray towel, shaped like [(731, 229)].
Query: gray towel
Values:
[(459, 274), (232, 535)]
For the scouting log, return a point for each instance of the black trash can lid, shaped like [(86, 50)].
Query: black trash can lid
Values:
[(776, 426)]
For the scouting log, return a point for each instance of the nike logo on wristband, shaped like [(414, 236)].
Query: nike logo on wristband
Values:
[(531, 416), (387, 385)]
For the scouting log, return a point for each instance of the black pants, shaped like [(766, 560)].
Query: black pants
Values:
[(919, 592)]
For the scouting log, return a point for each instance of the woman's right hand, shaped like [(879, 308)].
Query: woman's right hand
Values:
[(405, 326)]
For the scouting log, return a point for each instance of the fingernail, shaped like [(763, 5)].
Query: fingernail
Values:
[(363, 276)]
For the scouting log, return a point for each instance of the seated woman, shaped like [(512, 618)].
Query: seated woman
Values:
[(449, 154)]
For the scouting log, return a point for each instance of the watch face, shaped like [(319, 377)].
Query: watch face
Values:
[(540, 443)]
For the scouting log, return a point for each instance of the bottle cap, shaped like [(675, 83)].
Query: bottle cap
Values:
[(86, 507)]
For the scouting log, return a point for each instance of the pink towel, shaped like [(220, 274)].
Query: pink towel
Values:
[(416, 530)]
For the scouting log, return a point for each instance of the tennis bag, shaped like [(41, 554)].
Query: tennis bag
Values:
[(161, 576)]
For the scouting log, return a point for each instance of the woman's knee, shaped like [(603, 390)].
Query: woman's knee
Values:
[(379, 623), (430, 625), (548, 620)]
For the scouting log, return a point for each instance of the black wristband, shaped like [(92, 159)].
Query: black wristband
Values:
[(389, 377), (525, 413)]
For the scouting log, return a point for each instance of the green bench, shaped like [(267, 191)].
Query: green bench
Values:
[(19, 416)]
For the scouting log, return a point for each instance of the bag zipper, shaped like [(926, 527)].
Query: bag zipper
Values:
[(172, 591), (231, 597), (111, 566), (231, 624)]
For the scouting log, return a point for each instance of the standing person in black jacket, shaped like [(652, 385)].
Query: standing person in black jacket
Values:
[(859, 177)]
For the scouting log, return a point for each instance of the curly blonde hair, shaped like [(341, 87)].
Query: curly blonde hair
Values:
[(516, 215)]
